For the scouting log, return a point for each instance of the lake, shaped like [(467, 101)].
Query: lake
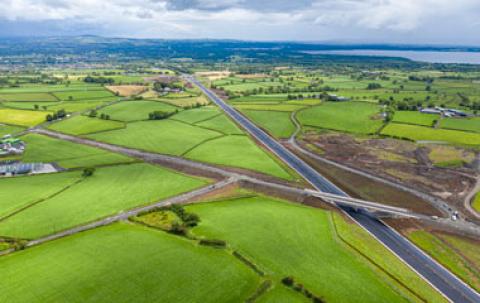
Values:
[(422, 56)]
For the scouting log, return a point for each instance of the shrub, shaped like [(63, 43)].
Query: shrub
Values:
[(213, 242), (288, 281), (178, 229), (88, 172)]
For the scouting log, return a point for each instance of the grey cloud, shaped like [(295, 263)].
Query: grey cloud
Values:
[(255, 5)]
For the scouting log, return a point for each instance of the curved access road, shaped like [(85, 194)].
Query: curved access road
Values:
[(444, 281)]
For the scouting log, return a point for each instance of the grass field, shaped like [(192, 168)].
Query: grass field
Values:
[(135, 110), (22, 117), (124, 263), (83, 94), (238, 151), (81, 125), (108, 191), (476, 203), (420, 133), (166, 136), (447, 256), (78, 106), (9, 130), (415, 117), (197, 114), (222, 124), (27, 97), (272, 107), (472, 124), (23, 191), (291, 240), (354, 117), (66, 154), (277, 123), (184, 102)]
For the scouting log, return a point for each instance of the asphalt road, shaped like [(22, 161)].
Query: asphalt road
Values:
[(443, 280)]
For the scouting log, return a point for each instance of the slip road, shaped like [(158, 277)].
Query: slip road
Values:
[(443, 280)]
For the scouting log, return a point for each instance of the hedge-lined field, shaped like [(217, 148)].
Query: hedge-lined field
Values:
[(9, 130), (472, 124), (23, 191), (353, 117), (277, 123), (420, 133), (22, 117), (284, 239), (135, 110), (415, 117), (108, 191), (166, 136), (238, 151), (124, 263), (67, 154), (81, 125), (28, 97), (83, 95)]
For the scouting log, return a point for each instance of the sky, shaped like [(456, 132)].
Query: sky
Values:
[(452, 22)]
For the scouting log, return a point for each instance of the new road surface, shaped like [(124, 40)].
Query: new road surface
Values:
[(443, 280)]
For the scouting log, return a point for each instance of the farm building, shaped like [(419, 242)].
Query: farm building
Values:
[(13, 168), (447, 112), (11, 146), (337, 98)]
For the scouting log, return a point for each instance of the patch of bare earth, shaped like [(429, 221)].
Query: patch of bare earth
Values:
[(127, 90), (396, 160)]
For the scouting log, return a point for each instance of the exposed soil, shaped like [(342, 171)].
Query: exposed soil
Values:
[(400, 161), (127, 90)]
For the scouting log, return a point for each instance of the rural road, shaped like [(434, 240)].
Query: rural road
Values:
[(443, 280)]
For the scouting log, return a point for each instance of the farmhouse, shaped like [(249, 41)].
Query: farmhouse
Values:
[(11, 146)]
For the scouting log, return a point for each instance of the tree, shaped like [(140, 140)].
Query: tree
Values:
[(372, 86), (93, 113), (49, 118), (88, 172)]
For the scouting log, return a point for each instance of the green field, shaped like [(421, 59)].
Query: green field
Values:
[(66, 154), (277, 123), (124, 263), (270, 107), (476, 203), (9, 130), (184, 102), (135, 110), (197, 114), (109, 191), (22, 117), (23, 191), (27, 97), (165, 136), (238, 151), (83, 94), (415, 117), (420, 133), (78, 106), (472, 124), (354, 117), (289, 240), (81, 125), (222, 124), (447, 255)]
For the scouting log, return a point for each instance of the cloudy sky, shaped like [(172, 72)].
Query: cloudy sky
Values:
[(393, 21)]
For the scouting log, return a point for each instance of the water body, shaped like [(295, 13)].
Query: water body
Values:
[(421, 56)]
